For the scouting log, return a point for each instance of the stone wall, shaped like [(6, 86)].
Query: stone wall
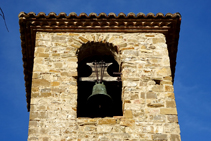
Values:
[(149, 109)]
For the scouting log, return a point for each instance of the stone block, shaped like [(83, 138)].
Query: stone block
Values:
[(170, 104), (170, 95), (150, 35), (84, 40), (73, 89), (134, 96), (171, 128), (168, 78), (175, 137), (32, 123), (59, 44), (32, 131), (42, 107), (168, 111), (39, 49), (130, 53), (127, 122), (104, 128), (130, 106), (157, 118), (142, 95), (55, 54), (166, 82), (83, 122), (58, 65), (126, 48), (34, 94), (33, 115), (54, 71), (172, 118), (43, 115), (157, 88), (40, 82), (43, 55), (70, 34), (158, 40), (76, 45), (156, 103), (169, 88), (155, 60), (55, 83), (128, 114), (159, 137), (120, 135), (35, 75), (151, 95), (90, 128), (120, 129), (152, 111), (130, 83), (46, 139), (73, 59), (38, 60), (43, 131), (106, 121), (45, 94), (164, 71), (58, 38)]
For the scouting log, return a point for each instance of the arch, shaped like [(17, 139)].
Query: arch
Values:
[(88, 53)]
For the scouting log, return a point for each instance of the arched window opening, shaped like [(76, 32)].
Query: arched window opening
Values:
[(93, 57)]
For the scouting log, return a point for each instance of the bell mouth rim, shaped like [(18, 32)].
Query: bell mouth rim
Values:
[(101, 95)]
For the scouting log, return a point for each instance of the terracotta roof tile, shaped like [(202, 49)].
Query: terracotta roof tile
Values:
[(94, 15)]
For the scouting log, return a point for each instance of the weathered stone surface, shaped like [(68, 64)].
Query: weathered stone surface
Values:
[(127, 122), (148, 103), (170, 104), (55, 83), (106, 121), (130, 83), (158, 88), (32, 123), (45, 94), (128, 114), (168, 111), (172, 118), (169, 88), (155, 103), (151, 95), (43, 55), (150, 35), (83, 39), (58, 65), (35, 75), (158, 40), (120, 129), (104, 128), (164, 71), (158, 118), (40, 82), (175, 137), (160, 137), (170, 95)]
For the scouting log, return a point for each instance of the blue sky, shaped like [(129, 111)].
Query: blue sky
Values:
[(192, 77)]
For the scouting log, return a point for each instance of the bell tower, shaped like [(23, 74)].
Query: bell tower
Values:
[(100, 77)]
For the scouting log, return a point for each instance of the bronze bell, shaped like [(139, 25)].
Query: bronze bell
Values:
[(99, 102)]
